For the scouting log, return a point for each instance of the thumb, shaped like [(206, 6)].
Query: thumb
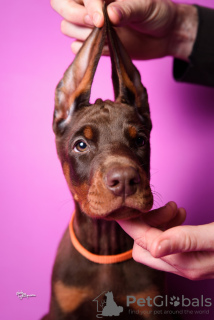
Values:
[(184, 239), (95, 12), (125, 12)]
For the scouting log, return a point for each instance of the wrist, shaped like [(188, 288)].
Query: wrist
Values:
[(184, 32)]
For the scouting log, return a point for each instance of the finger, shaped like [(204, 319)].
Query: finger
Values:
[(76, 45), (178, 219), (184, 239), (161, 215), (136, 227), (116, 13), (192, 265), (125, 12), (75, 31), (70, 11), (143, 234), (140, 228), (95, 11), (143, 256)]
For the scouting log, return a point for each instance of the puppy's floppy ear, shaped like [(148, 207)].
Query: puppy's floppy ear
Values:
[(73, 91), (125, 76)]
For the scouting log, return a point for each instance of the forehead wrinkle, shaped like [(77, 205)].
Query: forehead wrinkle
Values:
[(91, 116), (107, 123)]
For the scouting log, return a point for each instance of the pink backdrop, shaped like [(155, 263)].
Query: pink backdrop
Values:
[(35, 203)]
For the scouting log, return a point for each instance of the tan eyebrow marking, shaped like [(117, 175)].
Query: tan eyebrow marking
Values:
[(132, 131), (88, 133)]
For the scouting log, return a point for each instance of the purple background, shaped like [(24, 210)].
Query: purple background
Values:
[(35, 203)]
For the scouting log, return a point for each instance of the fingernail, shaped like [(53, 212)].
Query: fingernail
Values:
[(163, 249), (88, 20), (117, 11), (96, 18)]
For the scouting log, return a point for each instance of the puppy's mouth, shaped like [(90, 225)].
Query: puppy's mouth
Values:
[(107, 205), (120, 208)]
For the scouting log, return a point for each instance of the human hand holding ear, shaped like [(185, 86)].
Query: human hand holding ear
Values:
[(187, 251), (148, 28)]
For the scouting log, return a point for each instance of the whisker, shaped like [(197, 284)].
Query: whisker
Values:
[(158, 199)]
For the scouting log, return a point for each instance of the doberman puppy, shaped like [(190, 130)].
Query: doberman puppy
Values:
[(104, 149)]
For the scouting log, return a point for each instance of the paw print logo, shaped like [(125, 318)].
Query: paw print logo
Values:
[(175, 301)]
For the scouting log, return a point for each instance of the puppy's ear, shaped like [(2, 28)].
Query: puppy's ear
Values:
[(125, 76), (73, 91)]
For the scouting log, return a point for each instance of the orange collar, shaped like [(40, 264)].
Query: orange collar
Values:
[(94, 257)]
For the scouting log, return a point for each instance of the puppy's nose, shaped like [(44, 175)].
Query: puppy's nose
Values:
[(122, 181)]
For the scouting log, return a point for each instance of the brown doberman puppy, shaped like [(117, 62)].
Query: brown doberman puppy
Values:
[(104, 149)]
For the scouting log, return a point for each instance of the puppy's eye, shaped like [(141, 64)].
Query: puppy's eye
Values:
[(140, 141), (80, 146)]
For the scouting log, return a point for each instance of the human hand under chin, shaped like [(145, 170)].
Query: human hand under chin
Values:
[(160, 242)]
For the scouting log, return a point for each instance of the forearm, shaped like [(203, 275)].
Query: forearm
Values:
[(184, 32), (200, 67)]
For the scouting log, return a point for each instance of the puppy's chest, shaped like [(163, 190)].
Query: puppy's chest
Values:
[(128, 282)]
